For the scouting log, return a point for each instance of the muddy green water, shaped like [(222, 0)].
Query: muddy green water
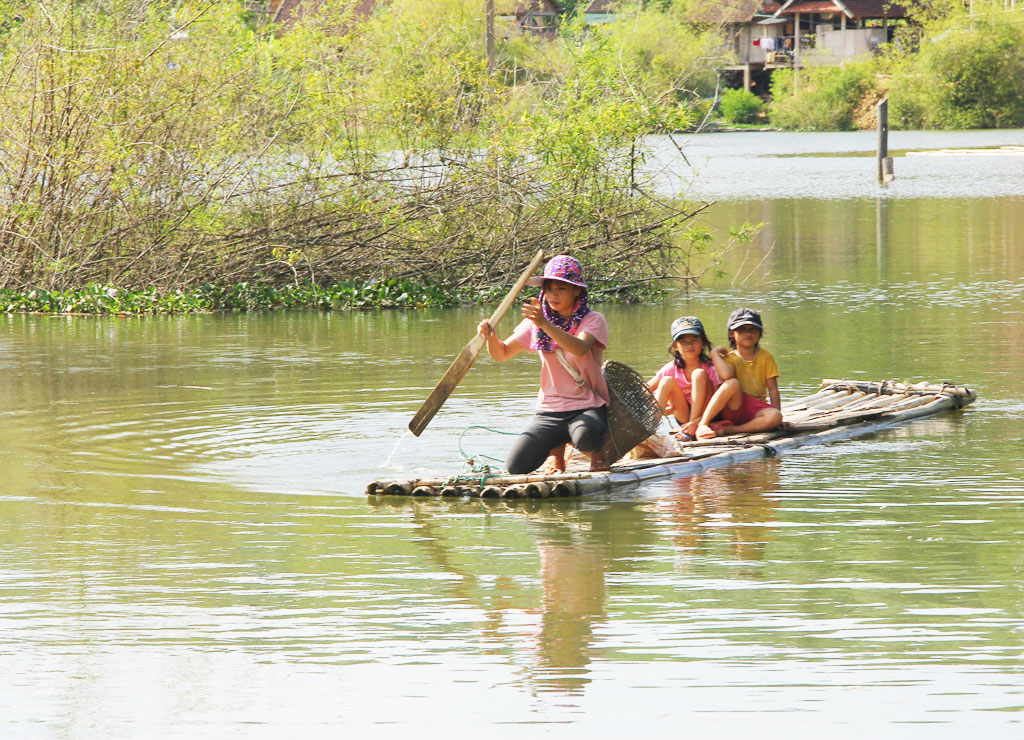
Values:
[(187, 551)]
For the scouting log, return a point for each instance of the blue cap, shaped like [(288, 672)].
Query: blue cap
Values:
[(686, 325)]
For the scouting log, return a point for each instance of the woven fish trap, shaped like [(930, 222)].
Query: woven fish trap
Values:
[(633, 412)]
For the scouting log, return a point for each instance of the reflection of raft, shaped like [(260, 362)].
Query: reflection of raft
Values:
[(840, 410)]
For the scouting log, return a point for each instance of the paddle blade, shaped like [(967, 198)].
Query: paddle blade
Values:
[(459, 367)]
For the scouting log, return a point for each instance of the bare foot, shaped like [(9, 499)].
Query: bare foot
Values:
[(555, 462), (706, 432), (599, 461)]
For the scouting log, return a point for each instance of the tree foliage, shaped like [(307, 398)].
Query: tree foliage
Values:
[(822, 98), (173, 143), (966, 73), (740, 106)]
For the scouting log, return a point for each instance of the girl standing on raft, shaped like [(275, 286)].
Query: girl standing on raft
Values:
[(572, 404)]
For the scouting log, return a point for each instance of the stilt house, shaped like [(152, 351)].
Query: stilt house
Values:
[(768, 35)]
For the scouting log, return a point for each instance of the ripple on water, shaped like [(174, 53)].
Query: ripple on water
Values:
[(843, 296), (159, 534)]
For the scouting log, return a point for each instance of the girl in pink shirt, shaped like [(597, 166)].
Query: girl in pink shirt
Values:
[(570, 337)]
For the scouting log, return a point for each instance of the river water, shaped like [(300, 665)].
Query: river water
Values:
[(188, 552)]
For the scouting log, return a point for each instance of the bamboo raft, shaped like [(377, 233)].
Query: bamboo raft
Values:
[(841, 409)]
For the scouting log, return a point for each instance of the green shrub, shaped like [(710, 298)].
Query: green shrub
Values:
[(962, 77), (245, 296), (740, 106), (822, 98)]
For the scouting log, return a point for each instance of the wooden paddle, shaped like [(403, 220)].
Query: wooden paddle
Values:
[(460, 366)]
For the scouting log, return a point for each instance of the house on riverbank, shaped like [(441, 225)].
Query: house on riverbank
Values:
[(599, 11), (793, 34), (539, 17), (744, 23), (287, 12)]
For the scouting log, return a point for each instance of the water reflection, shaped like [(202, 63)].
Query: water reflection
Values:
[(740, 501), (573, 563), (581, 546), (875, 242)]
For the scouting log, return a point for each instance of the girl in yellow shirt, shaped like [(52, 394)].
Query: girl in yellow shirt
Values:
[(748, 402)]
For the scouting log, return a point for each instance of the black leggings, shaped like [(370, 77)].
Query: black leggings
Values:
[(585, 428)]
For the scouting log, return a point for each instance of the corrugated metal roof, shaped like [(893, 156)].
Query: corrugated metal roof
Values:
[(730, 11), (853, 8), (601, 6)]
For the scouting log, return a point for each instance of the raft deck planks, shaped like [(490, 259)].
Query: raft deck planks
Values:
[(842, 409)]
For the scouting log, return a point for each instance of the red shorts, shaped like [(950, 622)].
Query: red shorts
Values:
[(746, 412)]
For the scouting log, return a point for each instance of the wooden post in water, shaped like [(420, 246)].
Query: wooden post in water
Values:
[(885, 174)]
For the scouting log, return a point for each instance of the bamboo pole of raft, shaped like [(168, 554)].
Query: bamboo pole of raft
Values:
[(800, 403), (840, 401), (826, 408), (461, 364), (504, 480), (791, 411), (844, 417), (909, 403), (891, 387), (869, 401), (865, 406), (814, 398), (839, 397)]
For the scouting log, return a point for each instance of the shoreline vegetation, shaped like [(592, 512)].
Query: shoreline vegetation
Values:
[(349, 295), (154, 149)]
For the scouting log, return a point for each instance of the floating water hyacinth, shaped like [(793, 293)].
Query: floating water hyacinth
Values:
[(349, 295)]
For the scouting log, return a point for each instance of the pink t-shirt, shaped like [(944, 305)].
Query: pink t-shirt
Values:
[(672, 371), (558, 390)]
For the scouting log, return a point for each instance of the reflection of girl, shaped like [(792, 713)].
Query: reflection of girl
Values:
[(684, 386), (724, 500), (572, 575), (570, 338)]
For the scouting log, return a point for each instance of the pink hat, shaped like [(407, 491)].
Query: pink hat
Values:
[(563, 268)]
